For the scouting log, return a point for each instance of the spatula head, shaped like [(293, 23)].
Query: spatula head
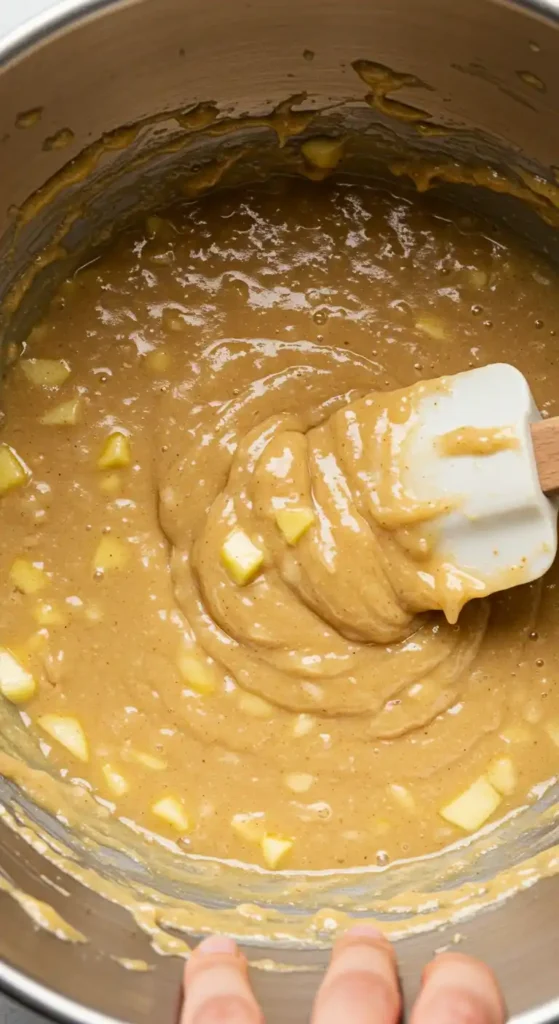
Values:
[(472, 448)]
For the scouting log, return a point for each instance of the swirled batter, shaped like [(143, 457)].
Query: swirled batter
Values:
[(215, 613)]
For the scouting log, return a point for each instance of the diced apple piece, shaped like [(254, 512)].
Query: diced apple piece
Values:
[(111, 484), (249, 827), (93, 612), (155, 764), (46, 613), (111, 554), (324, 153), (254, 705), (11, 353), (275, 849), (68, 732), (294, 522), (16, 683), (49, 373), (27, 577), (299, 782), (473, 807), (533, 712), (303, 725), (13, 471), (37, 334), (196, 672), (170, 810), (66, 414), (403, 796), (433, 326), (478, 278), (116, 452), (241, 557), (502, 775), (159, 227), (153, 225), (37, 643), (517, 734), (157, 361), (115, 781), (552, 730)]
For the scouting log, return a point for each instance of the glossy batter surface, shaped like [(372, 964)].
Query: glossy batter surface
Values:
[(312, 714)]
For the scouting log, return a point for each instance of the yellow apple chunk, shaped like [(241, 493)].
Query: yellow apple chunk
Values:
[(13, 471), (196, 672), (299, 782), (111, 554), (66, 414), (249, 827), (502, 775), (255, 706), (433, 326), (473, 807), (275, 849), (294, 522), (158, 361), (46, 613), (171, 811), (48, 373), (116, 453), (115, 781), (111, 485), (16, 683), (155, 764), (324, 153), (402, 796), (241, 557), (27, 577), (67, 731), (303, 725)]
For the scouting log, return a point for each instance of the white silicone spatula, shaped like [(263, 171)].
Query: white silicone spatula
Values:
[(480, 443)]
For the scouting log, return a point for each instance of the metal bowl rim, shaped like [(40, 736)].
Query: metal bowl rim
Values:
[(48, 23)]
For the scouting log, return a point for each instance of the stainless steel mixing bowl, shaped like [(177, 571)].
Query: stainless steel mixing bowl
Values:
[(95, 66)]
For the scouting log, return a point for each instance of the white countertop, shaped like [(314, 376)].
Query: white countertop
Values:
[(15, 12)]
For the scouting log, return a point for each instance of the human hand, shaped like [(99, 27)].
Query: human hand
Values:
[(360, 986)]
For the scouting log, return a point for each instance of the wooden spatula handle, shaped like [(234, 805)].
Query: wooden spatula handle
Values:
[(545, 438)]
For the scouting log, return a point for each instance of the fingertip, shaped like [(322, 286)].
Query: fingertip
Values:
[(461, 964), (212, 952), (216, 985), (363, 934), (217, 944), (365, 931), (361, 983), (459, 987)]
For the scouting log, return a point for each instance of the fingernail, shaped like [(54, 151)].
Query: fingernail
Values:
[(363, 931), (217, 944)]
